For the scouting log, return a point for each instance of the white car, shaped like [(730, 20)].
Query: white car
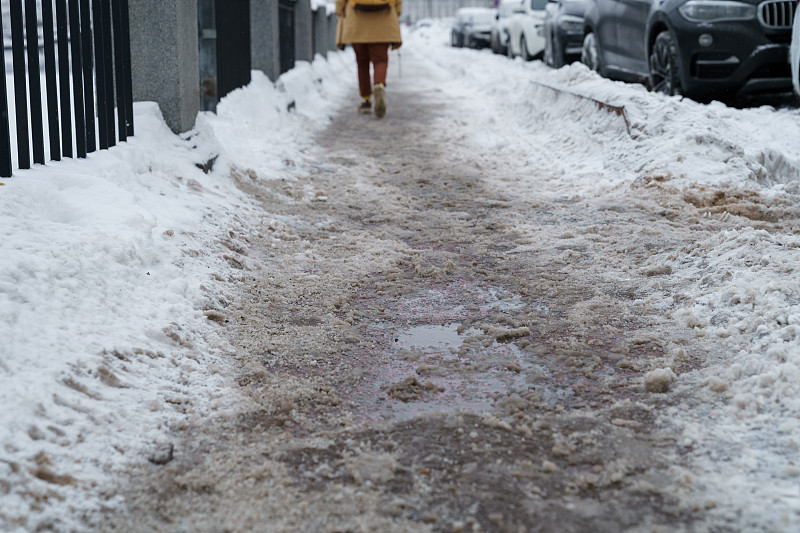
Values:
[(472, 26), (499, 35), (794, 55), (526, 30)]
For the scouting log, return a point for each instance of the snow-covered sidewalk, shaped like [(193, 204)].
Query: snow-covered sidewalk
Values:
[(108, 339)]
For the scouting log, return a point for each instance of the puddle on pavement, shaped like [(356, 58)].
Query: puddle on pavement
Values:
[(503, 300), (471, 376), (465, 389), (427, 337)]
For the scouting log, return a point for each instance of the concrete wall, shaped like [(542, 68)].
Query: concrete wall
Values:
[(321, 31), (265, 39), (303, 36), (165, 50), (332, 25), (165, 58)]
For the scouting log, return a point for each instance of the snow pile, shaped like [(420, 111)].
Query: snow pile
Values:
[(101, 332), (256, 123), (108, 262), (647, 135)]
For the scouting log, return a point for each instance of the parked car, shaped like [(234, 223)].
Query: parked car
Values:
[(705, 49), (472, 27), (499, 33), (794, 55), (526, 30), (563, 31)]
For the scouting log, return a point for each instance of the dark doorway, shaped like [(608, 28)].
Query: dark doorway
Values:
[(233, 45), (224, 28), (286, 33)]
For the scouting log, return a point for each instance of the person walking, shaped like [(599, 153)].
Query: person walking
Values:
[(370, 27)]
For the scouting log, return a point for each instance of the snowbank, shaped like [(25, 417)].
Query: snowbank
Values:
[(106, 338)]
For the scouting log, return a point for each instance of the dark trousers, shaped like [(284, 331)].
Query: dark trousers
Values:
[(378, 55)]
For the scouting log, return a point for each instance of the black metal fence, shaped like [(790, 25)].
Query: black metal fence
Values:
[(69, 90), (90, 36)]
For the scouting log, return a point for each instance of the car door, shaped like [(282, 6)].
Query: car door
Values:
[(603, 14), (534, 25), (515, 24), (505, 12), (631, 43)]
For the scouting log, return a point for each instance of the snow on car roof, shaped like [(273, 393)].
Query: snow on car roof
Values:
[(476, 13)]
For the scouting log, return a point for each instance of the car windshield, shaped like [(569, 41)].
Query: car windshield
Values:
[(538, 5)]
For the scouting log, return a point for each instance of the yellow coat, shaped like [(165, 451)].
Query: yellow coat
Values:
[(355, 26)]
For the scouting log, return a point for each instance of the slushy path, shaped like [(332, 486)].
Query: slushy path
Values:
[(424, 350)]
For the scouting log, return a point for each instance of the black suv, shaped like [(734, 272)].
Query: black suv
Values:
[(563, 31), (704, 49)]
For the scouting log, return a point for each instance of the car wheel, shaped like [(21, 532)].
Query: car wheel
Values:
[(796, 83), (552, 52), (523, 49), (494, 43), (509, 49), (455, 40), (665, 68), (590, 54), (558, 55)]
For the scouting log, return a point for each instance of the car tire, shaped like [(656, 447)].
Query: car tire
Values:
[(509, 49), (548, 50), (455, 40), (494, 43), (796, 84), (665, 67), (590, 54), (558, 54), (523, 49), (552, 52)]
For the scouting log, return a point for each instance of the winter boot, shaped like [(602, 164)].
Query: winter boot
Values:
[(366, 107), (380, 100)]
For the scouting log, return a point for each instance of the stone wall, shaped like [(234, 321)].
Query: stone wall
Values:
[(165, 58), (165, 50)]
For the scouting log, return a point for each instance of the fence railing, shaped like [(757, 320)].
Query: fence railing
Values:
[(72, 79), (90, 36)]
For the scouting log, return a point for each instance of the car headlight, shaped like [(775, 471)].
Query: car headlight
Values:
[(716, 10), (571, 23)]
